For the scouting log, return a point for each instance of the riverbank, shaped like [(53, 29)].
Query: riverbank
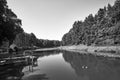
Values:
[(46, 49), (108, 51)]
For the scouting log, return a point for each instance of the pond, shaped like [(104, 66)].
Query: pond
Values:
[(63, 65), (73, 66)]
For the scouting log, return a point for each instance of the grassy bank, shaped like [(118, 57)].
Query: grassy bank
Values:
[(110, 51)]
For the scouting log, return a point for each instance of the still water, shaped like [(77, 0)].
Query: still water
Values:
[(63, 65), (73, 66)]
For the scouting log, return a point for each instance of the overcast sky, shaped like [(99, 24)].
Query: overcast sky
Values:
[(51, 19)]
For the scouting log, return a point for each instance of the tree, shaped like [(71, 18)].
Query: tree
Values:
[(99, 29), (10, 25)]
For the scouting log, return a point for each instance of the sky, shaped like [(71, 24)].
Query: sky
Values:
[(51, 19)]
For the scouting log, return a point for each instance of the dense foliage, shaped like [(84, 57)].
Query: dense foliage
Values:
[(11, 31), (29, 40), (10, 25), (47, 43), (101, 29)]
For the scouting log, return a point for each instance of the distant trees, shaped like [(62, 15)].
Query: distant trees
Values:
[(24, 39), (42, 43), (29, 40), (10, 25), (10, 30), (101, 29)]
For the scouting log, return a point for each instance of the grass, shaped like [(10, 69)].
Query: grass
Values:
[(110, 51)]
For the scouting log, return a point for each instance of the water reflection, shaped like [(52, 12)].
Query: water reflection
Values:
[(53, 66), (11, 73), (89, 67), (13, 70), (64, 65), (36, 77), (46, 53), (74, 66), (37, 73)]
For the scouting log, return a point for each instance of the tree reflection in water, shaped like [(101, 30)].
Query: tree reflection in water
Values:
[(89, 67), (68, 66), (12, 73), (36, 74), (36, 77)]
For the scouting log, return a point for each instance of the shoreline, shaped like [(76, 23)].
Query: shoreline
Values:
[(106, 51)]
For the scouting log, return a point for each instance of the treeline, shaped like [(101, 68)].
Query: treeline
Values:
[(47, 43), (101, 29), (26, 40), (11, 31), (10, 25)]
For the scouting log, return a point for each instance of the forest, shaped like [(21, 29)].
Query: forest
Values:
[(103, 28), (30, 40), (10, 24), (12, 32)]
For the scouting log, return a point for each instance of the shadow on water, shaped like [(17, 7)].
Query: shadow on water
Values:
[(76, 67), (37, 77), (11, 72), (35, 74), (15, 72), (90, 67), (56, 65)]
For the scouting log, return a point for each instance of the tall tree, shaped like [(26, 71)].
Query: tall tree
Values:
[(101, 29), (10, 25)]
